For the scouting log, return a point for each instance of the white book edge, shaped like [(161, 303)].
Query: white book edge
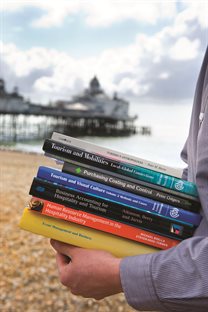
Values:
[(116, 155)]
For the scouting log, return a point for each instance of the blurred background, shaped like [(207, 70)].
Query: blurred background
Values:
[(148, 52), (146, 55)]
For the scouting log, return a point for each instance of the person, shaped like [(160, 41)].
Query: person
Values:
[(172, 280)]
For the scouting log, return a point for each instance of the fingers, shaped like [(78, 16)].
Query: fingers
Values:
[(63, 248)]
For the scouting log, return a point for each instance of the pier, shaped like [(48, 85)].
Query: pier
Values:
[(92, 113)]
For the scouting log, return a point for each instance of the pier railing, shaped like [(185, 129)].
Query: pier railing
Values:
[(38, 123)]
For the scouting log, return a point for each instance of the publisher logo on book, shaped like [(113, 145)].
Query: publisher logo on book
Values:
[(179, 186), (78, 170), (174, 213)]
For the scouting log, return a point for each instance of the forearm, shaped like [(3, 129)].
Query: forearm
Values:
[(171, 280)]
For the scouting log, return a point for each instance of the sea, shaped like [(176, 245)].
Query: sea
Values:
[(169, 125)]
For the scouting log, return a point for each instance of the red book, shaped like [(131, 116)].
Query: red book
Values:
[(103, 224)]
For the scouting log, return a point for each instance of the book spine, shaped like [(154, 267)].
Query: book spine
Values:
[(115, 155), (193, 199), (81, 236), (128, 186), (102, 224), (73, 199), (68, 152), (119, 196)]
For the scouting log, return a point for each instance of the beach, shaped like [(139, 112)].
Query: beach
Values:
[(29, 279)]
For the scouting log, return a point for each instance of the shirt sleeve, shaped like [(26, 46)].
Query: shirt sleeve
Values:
[(172, 280), (184, 157)]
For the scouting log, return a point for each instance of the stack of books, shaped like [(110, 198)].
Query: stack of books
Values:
[(105, 199)]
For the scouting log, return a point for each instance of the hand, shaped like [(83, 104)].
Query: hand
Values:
[(87, 272)]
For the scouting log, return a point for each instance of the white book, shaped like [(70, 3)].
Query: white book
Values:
[(116, 155)]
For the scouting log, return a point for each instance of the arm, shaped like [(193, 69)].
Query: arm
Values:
[(184, 157)]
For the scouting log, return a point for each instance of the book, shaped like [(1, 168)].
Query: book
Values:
[(116, 155), (64, 167), (128, 186), (73, 199), (102, 224), (80, 236), (119, 196), (67, 153)]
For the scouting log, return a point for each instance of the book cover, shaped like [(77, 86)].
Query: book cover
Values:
[(99, 223), (68, 153), (80, 236), (115, 155), (128, 186), (119, 196), (111, 210)]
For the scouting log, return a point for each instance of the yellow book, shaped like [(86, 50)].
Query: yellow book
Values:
[(81, 236)]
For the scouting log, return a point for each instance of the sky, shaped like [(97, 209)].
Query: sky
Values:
[(146, 50)]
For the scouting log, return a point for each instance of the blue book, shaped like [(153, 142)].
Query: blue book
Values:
[(116, 195)]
